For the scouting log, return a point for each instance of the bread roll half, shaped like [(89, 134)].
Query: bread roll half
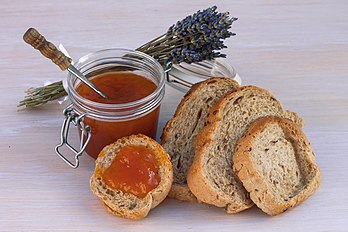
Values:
[(125, 204)]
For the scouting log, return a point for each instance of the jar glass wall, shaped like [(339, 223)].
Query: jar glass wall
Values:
[(110, 122)]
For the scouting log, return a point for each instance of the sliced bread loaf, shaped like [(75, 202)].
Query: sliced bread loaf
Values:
[(179, 133), (276, 164), (210, 177), (126, 204)]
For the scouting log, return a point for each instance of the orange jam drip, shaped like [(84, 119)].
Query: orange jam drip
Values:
[(134, 170), (119, 87)]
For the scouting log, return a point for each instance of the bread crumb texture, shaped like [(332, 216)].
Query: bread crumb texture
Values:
[(180, 132), (276, 164)]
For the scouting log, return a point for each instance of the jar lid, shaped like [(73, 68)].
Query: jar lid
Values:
[(182, 76)]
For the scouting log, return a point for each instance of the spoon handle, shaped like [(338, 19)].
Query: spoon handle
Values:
[(38, 41)]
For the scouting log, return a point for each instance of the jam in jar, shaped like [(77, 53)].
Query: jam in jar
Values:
[(120, 88)]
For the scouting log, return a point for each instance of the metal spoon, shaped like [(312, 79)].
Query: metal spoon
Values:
[(49, 50)]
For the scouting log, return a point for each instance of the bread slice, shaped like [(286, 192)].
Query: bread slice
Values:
[(179, 133), (210, 177), (125, 204), (276, 164)]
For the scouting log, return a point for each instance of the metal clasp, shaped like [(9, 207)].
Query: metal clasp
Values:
[(182, 76), (72, 116)]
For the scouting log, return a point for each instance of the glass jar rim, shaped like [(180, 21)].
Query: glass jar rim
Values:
[(82, 63)]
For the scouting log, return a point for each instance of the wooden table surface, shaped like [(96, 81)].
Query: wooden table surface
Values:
[(298, 50)]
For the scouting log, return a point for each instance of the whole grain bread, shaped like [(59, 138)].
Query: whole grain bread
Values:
[(276, 164), (179, 133), (125, 204), (210, 177)]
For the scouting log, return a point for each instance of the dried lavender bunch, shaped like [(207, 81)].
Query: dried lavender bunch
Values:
[(193, 39), (196, 38), (41, 95)]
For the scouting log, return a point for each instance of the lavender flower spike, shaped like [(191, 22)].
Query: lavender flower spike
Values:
[(207, 29), (195, 38)]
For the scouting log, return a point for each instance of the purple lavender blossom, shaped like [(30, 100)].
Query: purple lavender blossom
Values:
[(206, 30), (195, 38)]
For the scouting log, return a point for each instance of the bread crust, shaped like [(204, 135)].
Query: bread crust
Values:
[(197, 178), (201, 186), (253, 181), (139, 207), (188, 96), (181, 191)]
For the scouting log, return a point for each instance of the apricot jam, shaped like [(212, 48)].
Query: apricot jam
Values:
[(134, 170), (120, 88)]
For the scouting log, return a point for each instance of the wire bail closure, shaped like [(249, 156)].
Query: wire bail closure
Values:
[(72, 116), (183, 76)]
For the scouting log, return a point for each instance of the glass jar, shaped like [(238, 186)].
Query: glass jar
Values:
[(182, 76), (102, 124)]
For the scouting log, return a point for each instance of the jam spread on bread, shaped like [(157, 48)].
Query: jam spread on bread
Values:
[(134, 170), (120, 88)]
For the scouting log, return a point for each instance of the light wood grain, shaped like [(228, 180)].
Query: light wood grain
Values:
[(296, 49)]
